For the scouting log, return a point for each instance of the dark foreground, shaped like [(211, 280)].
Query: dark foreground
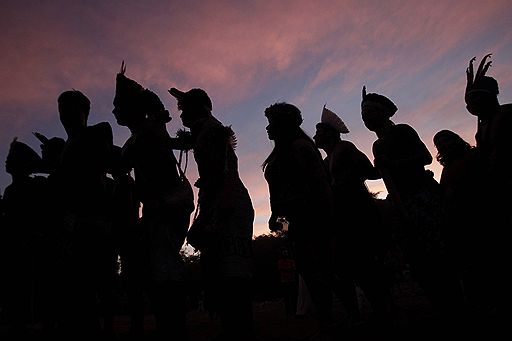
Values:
[(412, 319)]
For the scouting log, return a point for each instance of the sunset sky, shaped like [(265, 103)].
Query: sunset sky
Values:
[(248, 55)]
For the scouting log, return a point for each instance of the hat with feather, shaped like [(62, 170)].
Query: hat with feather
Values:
[(333, 121), (479, 81), (128, 91), (388, 107)]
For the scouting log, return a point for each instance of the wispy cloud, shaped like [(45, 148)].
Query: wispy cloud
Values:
[(248, 54)]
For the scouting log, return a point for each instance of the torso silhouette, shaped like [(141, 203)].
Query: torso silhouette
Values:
[(83, 166), (299, 187), (407, 154)]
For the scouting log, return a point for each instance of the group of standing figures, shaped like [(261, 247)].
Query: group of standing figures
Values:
[(75, 222), (70, 227)]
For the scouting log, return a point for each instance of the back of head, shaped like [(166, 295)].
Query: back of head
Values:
[(73, 100), (154, 107), (450, 146), (444, 135), (200, 97)]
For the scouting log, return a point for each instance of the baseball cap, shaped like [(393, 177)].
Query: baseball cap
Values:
[(195, 95)]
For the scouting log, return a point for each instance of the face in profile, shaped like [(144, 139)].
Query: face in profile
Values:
[(270, 132), (21, 160), (373, 116), (322, 136), (120, 112), (273, 129), (127, 113), (444, 143), (14, 165), (188, 113), (10, 165)]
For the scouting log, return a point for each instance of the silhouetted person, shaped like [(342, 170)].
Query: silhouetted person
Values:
[(52, 257), (82, 200), (129, 239), (360, 235), (164, 219), (493, 145), (223, 228), (400, 156), (22, 238), (300, 192), (466, 210)]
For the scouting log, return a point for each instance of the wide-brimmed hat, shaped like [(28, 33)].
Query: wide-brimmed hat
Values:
[(332, 120)]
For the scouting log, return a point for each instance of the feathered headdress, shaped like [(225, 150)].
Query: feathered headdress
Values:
[(127, 90), (388, 104), (479, 80), (480, 72), (334, 121)]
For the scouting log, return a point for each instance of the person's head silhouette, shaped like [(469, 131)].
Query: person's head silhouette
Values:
[(127, 104), (153, 107), (194, 104), (284, 121), (74, 109), (22, 160), (482, 91), (376, 110), (450, 146), (328, 130)]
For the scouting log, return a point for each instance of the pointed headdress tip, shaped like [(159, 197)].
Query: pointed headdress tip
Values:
[(14, 141), (333, 120), (125, 84), (127, 90)]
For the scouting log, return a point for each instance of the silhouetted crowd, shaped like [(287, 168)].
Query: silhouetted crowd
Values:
[(84, 209)]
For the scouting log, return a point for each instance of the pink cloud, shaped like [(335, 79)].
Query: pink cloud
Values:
[(233, 49), (297, 50), (400, 39)]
